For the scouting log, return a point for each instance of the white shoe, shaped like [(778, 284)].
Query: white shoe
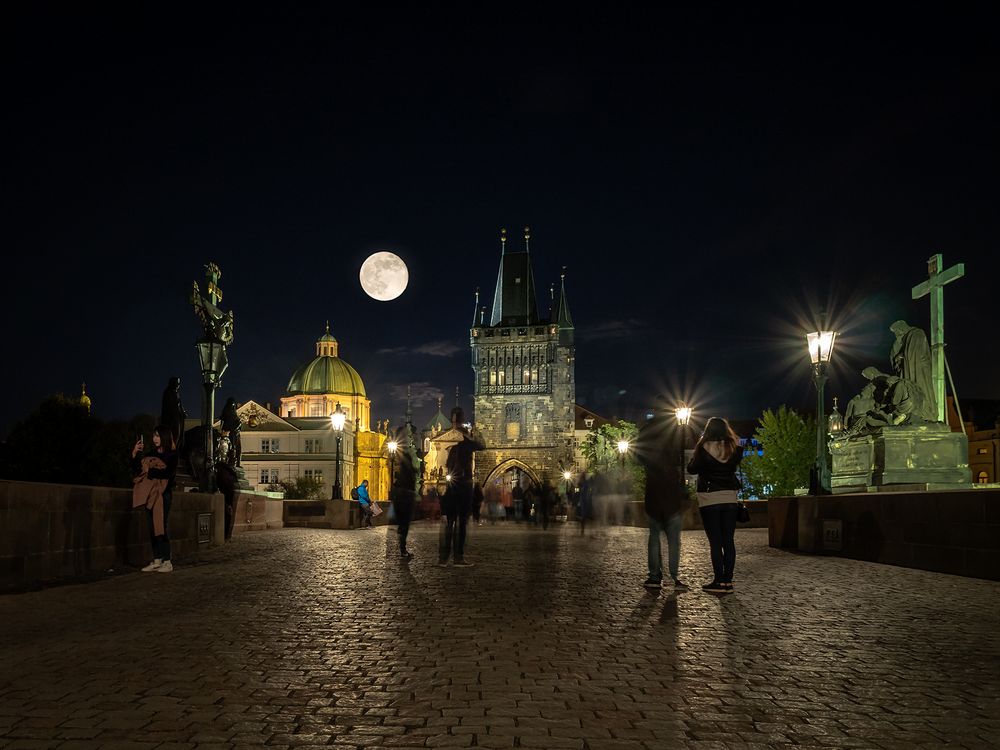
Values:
[(167, 567), (155, 565)]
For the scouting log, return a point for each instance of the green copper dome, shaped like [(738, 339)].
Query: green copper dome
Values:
[(327, 373)]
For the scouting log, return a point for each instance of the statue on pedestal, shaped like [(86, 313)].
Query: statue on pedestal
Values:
[(231, 424), (910, 357), (172, 413)]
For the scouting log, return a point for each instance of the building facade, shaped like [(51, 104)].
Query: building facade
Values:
[(525, 381), (301, 441)]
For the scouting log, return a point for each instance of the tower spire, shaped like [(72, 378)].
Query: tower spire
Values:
[(456, 395), (527, 239), (409, 414), (503, 240), (475, 309), (563, 318)]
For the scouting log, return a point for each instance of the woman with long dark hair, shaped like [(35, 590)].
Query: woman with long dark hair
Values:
[(165, 450), (716, 459)]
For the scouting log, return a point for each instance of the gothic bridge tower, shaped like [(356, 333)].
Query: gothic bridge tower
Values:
[(525, 381)]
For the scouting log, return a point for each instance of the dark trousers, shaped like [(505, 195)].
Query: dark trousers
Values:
[(402, 504), (161, 543), (456, 505), (720, 528)]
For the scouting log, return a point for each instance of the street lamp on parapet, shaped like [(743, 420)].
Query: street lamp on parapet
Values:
[(820, 352), (683, 414), (337, 422), (392, 445)]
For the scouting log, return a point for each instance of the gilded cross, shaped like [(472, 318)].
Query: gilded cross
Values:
[(934, 286)]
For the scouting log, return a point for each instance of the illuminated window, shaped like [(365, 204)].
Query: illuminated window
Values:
[(316, 474), (983, 478), (527, 376), (314, 445)]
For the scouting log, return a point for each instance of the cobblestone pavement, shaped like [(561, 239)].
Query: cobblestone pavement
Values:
[(312, 638)]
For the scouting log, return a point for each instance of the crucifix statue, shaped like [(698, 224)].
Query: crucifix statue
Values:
[(934, 286)]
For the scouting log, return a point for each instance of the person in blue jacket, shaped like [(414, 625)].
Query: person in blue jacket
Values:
[(366, 505)]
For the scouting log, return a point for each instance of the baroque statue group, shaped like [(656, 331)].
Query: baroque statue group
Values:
[(904, 396)]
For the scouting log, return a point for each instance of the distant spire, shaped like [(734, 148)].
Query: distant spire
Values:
[(482, 314), (563, 318), (440, 401), (552, 300), (409, 414), (475, 310), (327, 325), (456, 395), (503, 241), (527, 239)]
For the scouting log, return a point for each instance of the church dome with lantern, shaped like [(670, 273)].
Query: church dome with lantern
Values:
[(315, 388)]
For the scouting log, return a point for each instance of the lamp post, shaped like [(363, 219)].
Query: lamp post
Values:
[(337, 422), (683, 415), (820, 351), (622, 450), (212, 356), (392, 445)]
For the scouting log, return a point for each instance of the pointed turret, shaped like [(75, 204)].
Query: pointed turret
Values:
[(514, 301), (563, 318), (475, 310)]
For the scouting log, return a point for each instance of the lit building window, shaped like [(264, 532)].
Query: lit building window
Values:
[(983, 478)]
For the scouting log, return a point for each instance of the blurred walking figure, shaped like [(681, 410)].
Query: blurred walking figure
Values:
[(477, 503), (404, 491), (716, 459), (660, 449), (585, 507), (546, 501), (456, 504)]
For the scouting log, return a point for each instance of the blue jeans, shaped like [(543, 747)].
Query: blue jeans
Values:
[(720, 528), (673, 529)]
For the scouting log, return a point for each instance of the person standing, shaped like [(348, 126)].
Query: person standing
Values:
[(546, 499), (403, 494), (159, 466), (227, 480), (365, 503), (659, 448), (456, 504), (716, 459)]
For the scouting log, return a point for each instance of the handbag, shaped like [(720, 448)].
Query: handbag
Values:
[(376, 509)]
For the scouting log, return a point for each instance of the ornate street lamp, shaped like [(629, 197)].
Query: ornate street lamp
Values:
[(820, 351), (217, 333), (392, 445), (683, 414), (337, 422), (622, 450)]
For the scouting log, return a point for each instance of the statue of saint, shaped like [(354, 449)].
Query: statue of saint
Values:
[(172, 413), (231, 424), (911, 360), (859, 406), (895, 400)]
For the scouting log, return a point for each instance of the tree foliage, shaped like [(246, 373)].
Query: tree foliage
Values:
[(61, 442), (600, 448), (789, 445), (300, 488)]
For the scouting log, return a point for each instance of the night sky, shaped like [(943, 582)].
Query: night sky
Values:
[(711, 181)]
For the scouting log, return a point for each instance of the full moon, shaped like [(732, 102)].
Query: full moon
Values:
[(384, 276)]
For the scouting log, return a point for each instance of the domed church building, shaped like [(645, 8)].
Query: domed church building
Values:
[(300, 441), (316, 388)]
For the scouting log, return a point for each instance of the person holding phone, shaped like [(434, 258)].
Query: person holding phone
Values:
[(164, 449)]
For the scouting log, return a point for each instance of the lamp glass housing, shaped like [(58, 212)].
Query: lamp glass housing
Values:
[(683, 414), (622, 446), (392, 445), (337, 419), (820, 346)]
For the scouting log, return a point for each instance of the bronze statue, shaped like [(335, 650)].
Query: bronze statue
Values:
[(172, 413), (911, 360), (231, 424), (894, 401)]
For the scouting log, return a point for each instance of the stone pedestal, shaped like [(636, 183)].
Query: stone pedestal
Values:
[(931, 456)]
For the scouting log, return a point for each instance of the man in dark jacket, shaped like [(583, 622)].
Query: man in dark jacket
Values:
[(456, 505), (660, 449)]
